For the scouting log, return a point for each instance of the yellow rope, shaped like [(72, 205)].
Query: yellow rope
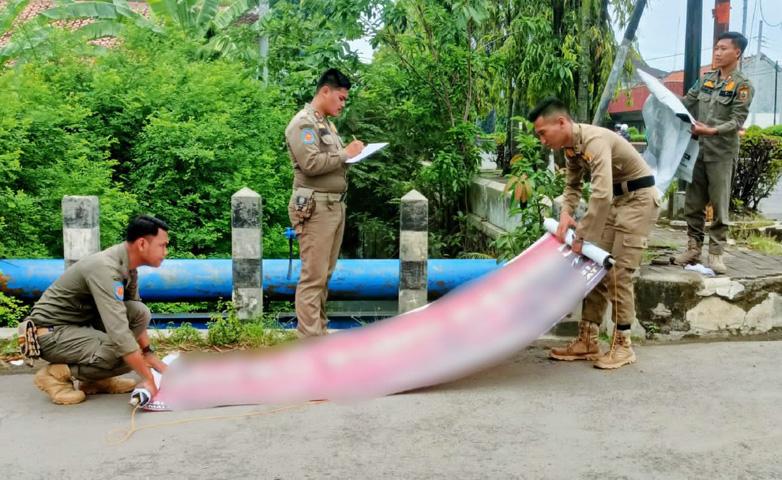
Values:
[(614, 313), (133, 429)]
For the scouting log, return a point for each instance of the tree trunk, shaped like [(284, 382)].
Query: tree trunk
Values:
[(509, 95), (585, 62)]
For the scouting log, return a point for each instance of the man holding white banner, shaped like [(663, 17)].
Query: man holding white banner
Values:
[(719, 101)]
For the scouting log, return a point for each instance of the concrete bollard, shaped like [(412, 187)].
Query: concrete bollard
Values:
[(413, 251), (676, 206), (246, 253), (80, 227)]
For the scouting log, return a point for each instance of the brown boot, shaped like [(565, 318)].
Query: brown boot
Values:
[(690, 256), (716, 264), (109, 385), (584, 347), (55, 380), (621, 352)]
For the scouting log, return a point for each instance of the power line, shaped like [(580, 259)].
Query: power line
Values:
[(752, 24), (675, 55), (763, 17)]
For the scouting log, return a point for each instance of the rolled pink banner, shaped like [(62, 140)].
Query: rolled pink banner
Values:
[(475, 326)]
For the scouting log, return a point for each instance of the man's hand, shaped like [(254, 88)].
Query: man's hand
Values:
[(154, 362), (149, 385), (578, 245), (139, 365), (354, 148), (565, 222), (700, 129)]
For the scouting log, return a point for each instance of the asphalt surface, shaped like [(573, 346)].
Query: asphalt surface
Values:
[(684, 411)]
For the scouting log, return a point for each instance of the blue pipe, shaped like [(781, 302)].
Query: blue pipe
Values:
[(201, 280)]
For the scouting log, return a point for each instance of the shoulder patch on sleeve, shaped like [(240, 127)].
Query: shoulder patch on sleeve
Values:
[(308, 136), (743, 92), (119, 291)]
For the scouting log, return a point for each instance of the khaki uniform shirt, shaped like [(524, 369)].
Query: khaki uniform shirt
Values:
[(722, 103), (317, 153), (94, 288), (610, 159)]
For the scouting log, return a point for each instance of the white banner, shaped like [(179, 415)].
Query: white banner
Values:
[(671, 151)]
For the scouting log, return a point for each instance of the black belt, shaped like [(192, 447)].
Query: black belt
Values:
[(633, 185), (331, 197)]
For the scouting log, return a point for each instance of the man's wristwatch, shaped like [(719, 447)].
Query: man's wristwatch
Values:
[(148, 349)]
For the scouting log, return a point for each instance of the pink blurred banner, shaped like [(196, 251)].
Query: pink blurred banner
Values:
[(473, 327)]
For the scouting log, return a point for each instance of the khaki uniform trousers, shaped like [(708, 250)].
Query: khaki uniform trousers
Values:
[(711, 182), (626, 237), (88, 351), (319, 244)]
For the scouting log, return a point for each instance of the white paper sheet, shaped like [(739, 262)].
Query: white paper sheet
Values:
[(368, 150), (670, 151)]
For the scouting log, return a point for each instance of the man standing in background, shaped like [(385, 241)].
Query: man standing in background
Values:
[(720, 103), (317, 206)]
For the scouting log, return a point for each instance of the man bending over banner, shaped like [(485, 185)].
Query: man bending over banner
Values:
[(90, 324), (621, 211)]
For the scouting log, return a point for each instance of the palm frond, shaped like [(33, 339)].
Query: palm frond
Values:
[(10, 12)]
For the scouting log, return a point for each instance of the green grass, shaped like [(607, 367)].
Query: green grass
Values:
[(226, 332), (764, 244), (9, 347)]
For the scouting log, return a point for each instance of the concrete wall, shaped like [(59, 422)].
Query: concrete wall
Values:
[(676, 303), (488, 201), (760, 71)]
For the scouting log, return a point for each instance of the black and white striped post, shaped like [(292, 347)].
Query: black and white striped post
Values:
[(80, 227), (246, 253), (413, 251)]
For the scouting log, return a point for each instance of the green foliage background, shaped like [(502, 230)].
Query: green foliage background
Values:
[(182, 110), (147, 127)]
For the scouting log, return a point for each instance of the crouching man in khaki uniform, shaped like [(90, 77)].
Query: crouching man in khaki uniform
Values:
[(622, 208), (317, 206), (90, 324)]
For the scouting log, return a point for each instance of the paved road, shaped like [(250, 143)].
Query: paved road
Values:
[(684, 411), (771, 207)]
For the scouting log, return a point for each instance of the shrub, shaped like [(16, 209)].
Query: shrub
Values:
[(11, 311), (758, 169), (48, 150), (774, 131)]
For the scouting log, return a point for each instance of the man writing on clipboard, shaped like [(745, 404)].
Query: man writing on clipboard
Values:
[(317, 206)]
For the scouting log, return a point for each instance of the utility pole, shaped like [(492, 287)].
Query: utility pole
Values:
[(760, 37), (744, 19), (721, 14), (619, 61), (692, 58), (776, 89), (263, 42), (585, 63), (692, 43)]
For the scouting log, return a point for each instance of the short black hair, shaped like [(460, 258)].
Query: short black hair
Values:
[(546, 107), (739, 40), (142, 226), (334, 79)]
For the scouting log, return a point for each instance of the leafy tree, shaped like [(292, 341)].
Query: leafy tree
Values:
[(151, 127), (309, 36), (22, 37), (758, 169), (190, 133), (532, 186), (203, 21), (47, 150), (565, 50)]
